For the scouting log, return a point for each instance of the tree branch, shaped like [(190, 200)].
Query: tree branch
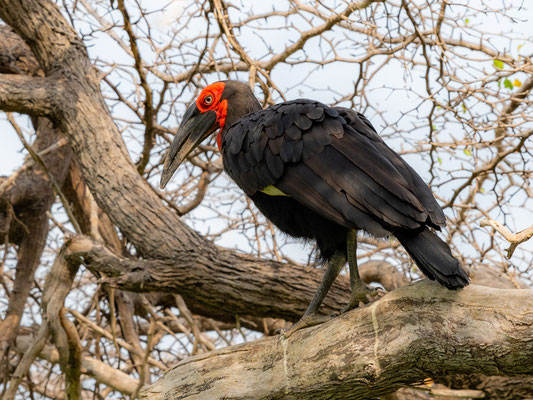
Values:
[(513, 238), (236, 286), (316, 31), (103, 373), (148, 117), (28, 95), (420, 331)]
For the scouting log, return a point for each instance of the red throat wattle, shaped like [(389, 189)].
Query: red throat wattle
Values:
[(222, 112), (220, 107)]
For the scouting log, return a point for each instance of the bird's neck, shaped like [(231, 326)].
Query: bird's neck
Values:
[(235, 112)]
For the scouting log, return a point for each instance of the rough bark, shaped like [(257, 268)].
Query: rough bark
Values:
[(25, 200), (261, 289), (416, 332), (79, 197), (29, 251)]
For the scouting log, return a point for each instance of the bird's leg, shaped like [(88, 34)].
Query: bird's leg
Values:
[(310, 317), (360, 291)]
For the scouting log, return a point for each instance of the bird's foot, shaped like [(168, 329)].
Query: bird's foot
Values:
[(306, 321), (362, 294)]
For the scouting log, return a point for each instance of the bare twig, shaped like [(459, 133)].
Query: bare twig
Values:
[(38, 160), (513, 238)]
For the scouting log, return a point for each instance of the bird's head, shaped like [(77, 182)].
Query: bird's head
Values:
[(218, 105)]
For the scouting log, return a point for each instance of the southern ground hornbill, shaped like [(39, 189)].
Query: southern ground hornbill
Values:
[(322, 173)]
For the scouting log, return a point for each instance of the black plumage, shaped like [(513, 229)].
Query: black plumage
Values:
[(334, 167), (320, 173)]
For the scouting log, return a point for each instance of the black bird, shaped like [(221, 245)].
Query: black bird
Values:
[(322, 173)]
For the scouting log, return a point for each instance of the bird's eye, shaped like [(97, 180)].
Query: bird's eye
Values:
[(208, 100)]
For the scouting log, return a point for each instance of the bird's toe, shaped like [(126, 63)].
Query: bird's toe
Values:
[(362, 295), (306, 321)]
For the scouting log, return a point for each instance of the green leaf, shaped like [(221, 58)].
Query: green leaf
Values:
[(499, 83), (467, 152), (508, 84), (467, 21), (439, 160), (498, 64), (464, 107)]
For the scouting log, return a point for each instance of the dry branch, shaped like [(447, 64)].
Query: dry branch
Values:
[(513, 238), (419, 331), (120, 342), (98, 370)]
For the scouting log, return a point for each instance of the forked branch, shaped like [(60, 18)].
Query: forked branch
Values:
[(513, 238)]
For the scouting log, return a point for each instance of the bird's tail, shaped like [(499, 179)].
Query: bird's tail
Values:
[(433, 257)]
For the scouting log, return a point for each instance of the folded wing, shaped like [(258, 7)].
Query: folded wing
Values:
[(332, 161)]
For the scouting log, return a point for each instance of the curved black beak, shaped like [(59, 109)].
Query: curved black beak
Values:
[(194, 128)]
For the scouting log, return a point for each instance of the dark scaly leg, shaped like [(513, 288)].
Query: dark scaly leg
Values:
[(360, 291), (310, 317)]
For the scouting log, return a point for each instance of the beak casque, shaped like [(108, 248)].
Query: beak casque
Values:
[(194, 128)]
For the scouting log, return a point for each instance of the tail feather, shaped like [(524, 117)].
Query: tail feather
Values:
[(434, 258)]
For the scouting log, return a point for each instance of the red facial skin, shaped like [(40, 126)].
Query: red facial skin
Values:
[(220, 107)]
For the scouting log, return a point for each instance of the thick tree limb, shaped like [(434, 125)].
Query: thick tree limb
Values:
[(30, 251), (242, 287), (27, 195), (419, 331), (28, 95), (260, 288)]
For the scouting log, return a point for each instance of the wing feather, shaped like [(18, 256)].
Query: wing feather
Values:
[(332, 161), (311, 190), (420, 189)]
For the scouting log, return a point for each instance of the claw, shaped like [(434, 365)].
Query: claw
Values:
[(306, 321), (362, 294)]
